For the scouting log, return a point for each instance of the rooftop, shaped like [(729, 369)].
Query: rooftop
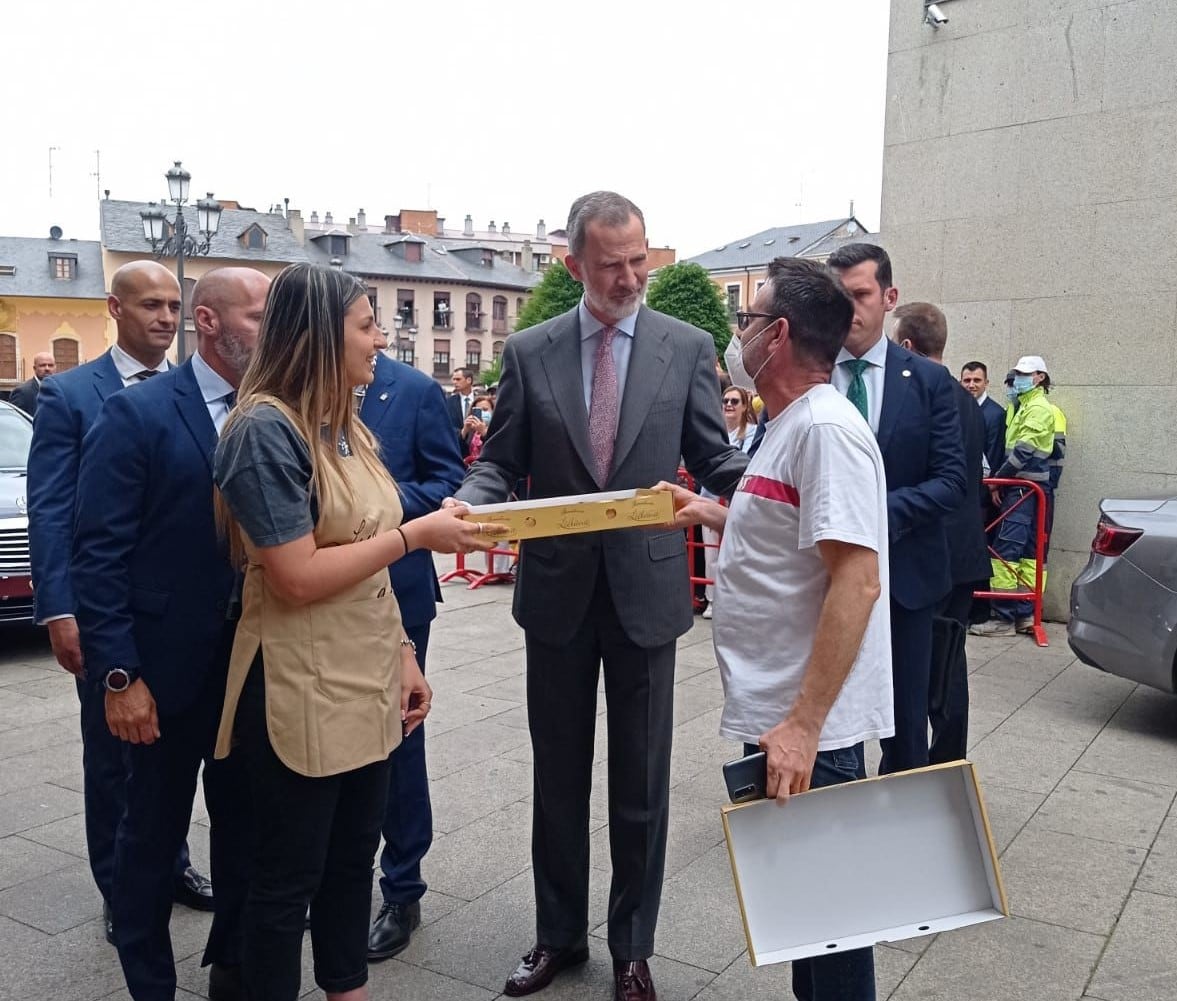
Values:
[(27, 268), (803, 240)]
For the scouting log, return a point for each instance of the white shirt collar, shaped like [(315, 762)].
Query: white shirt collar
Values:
[(589, 324), (212, 385), (982, 398), (129, 367), (877, 355)]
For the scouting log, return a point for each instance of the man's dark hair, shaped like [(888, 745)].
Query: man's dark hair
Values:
[(818, 308), (972, 366), (853, 254), (924, 325), (466, 373)]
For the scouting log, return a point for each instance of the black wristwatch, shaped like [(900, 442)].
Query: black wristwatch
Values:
[(119, 679)]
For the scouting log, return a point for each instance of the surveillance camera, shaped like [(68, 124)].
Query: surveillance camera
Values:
[(934, 15)]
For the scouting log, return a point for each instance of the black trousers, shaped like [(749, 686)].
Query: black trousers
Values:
[(104, 780), (315, 841), (161, 780), (911, 664), (562, 714), (948, 684)]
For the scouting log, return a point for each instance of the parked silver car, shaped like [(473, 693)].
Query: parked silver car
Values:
[(16, 587), (1124, 603)]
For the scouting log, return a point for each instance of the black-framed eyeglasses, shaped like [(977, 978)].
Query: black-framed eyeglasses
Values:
[(743, 318)]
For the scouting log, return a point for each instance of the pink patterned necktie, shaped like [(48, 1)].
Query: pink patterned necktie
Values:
[(603, 405)]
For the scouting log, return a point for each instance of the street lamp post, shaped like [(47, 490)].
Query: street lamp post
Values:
[(398, 323), (179, 243)]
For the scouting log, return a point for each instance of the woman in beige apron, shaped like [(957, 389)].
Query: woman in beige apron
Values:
[(323, 681)]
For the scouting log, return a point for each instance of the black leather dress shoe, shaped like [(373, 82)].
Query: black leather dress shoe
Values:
[(632, 981), (225, 983), (539, 968), (392, 930), (108, 922), (193, 890)]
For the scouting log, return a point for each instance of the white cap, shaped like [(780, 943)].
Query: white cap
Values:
[(1029, 364)]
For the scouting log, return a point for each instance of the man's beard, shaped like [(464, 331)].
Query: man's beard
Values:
[(613, 308), (234, 351)]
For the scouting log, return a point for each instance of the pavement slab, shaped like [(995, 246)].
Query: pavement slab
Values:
[(1138, 964)]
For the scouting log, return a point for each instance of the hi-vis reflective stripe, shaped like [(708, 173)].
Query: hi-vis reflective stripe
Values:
[(777, 490)]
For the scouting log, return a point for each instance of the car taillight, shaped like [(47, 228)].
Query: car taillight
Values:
[(1112, 539)]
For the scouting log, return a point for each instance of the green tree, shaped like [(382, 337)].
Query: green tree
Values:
[(556, 294), (686, 291)]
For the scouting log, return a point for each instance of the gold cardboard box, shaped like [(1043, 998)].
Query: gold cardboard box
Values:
[(550, 516)]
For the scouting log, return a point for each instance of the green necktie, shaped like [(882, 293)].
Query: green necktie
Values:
[(856, 392)]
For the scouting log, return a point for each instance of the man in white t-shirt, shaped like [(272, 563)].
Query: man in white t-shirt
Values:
[(802, 634)]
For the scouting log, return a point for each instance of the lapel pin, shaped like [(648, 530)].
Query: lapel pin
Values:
[(383, 397), (907, 373)]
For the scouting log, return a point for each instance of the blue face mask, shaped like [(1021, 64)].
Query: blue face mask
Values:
[(1023, 383), (1011, 394)]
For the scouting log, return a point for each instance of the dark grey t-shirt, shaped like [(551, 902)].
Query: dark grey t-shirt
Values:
[(263, 468)]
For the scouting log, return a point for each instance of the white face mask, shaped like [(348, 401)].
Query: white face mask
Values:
[(733, 356)]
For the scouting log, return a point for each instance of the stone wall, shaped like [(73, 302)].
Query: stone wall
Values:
[(1030, 188)]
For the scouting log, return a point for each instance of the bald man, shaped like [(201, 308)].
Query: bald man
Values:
[(144, 301), (154, 593), (25, 395)]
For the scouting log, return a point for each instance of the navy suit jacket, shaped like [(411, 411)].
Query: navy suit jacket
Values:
[(151, 576), (66, 408), (993, 414), (967, 548), (407, 412), (923, 456)]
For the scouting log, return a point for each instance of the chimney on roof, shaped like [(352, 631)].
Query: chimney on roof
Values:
[(541, 231), (527, 261), (506, 229), (351, 225), (851, 208), (294, 223), (327, 220), (468, 226), (362, 221), (440, 226), (314, 217), (490, 227)]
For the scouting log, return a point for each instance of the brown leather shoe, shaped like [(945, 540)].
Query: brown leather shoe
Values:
[(633, 981), (539, 968)]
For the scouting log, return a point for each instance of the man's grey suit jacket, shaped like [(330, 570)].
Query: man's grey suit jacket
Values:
[(670, 409)]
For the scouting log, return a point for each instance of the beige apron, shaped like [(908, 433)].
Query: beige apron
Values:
[(332, 668)]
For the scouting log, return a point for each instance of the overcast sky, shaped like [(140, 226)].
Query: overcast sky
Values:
[(719, 120)]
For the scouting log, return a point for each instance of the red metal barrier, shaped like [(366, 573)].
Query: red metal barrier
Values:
[(1033, 592), (685, 479)]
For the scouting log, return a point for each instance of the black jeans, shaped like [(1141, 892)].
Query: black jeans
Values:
[(315, 841), (842, 976)]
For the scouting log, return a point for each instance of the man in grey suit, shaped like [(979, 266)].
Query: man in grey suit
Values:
[(25, 395), (607, 396)]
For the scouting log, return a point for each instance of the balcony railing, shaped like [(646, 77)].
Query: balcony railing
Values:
[(407, 315), (474, 321), (443, 319)]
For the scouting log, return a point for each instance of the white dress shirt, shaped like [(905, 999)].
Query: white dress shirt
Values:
[(129, 367), (590, 340), (872, 375), (213, 390), (982, 398)]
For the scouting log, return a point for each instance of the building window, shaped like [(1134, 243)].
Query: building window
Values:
[(189, 288), (474, 311), (414, 253), (64, 266), (499, 314), (65, 353), (405, 307), (254, 238), (337, 246), (733, 301), (474, 355), (8, 357), (760, 283), (497, 348), (441, 357), (408, 353), (442, 314), (372, 302)]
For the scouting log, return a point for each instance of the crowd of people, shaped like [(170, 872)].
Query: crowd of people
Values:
[(233, 557)]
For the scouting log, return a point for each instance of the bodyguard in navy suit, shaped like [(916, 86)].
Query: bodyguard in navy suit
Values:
[(909, 403), (407, 412), (145, 304), (154, 587), (974, 376)]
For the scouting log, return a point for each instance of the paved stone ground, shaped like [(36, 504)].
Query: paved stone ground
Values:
[(1078, 771)]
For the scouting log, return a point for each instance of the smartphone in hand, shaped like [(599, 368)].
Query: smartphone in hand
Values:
[(746, 778)]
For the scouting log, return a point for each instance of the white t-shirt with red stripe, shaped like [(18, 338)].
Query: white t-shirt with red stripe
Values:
[(818, 475)]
